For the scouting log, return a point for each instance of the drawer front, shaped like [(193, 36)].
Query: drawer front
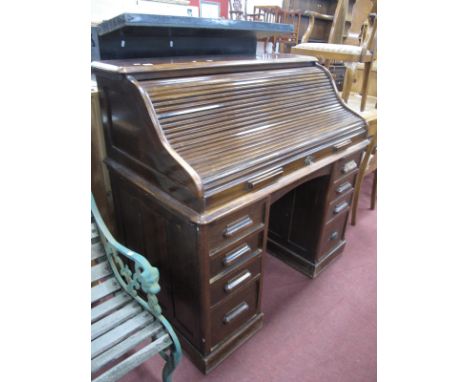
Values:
[(333, 234), (229, 315), (347, 165), (235, 225), (233, 281), (342, 186), (339, 206), (235, 254)]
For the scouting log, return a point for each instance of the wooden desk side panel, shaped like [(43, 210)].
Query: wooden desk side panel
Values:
[(100, 182), (132, 138), (169, 243)]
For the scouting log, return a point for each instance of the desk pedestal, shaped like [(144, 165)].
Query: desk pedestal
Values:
[(212, 268)]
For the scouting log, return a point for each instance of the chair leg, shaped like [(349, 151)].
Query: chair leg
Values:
[(347, 83), (374, 191), (359, 180), (357, 192), (365, 84)]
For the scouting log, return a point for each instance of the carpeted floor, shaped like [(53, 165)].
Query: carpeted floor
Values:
[(321, 330)]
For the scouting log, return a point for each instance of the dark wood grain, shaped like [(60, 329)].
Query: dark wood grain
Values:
[(211, 160)]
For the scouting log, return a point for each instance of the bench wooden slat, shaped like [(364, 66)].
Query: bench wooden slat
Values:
[(94, 231), (106, 288), (128, 344), (115, 319), (108, 306), (97, 251), (134, 360), (101, 270), (118, 334)]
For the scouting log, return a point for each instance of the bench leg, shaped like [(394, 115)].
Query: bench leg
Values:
[(169, 368)]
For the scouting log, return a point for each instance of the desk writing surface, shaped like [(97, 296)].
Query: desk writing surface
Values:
[(157, 64)]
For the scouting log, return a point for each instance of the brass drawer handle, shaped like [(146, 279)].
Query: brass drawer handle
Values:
[(340, 207), (342, 188), (232, 228), (238, 310), (238, 252), (262, 178), (334, 235), (341, 145), (237, 281), (348, 167)]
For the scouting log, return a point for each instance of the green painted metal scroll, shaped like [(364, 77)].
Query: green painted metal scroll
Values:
[(145, 278)]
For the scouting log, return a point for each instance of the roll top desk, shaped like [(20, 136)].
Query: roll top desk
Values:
[(216, 161)]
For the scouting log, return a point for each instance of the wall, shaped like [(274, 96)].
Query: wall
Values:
[(106, 9)]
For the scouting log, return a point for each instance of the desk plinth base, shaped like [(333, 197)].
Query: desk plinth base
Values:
[(309, 268), (207, 363)]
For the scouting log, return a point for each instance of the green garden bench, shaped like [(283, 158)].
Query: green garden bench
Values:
[(125, 313)]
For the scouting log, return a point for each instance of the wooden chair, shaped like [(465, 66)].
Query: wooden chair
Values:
[(337, 30), (235, 10), (275, 14), (124, 309), (290, 17), (267, 13), (368, 166), (363, 52)]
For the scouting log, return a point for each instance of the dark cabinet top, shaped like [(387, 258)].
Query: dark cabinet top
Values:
[(124, 20), (132, 35)]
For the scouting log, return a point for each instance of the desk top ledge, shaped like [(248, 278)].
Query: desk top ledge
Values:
[(141, 65)]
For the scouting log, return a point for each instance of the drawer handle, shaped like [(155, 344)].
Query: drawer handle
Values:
[(254, 182), (237, 281), (233, 228), (310, 159), (238, 310), (341, 145), (340, 207), (348, 167), (334, 235), (342, 188), (232, 256)]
